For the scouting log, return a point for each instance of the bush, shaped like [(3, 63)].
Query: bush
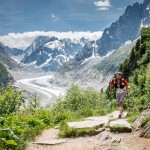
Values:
[(84, 101), (10, 101)]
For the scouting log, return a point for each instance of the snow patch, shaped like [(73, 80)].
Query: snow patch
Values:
[(47, 61), (108, 54), (54, 45), (127, 42)]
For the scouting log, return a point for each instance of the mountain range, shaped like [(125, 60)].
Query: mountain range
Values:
[(6, 59), (47, 53), (67, 56), (96, 63), (121, 32)]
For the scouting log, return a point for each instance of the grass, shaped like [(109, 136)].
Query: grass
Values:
[(119, 129), (65, 131)]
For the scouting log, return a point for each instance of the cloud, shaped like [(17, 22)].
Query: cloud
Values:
[(54, 18), (103, 8), (121, 9), (23, 40), (102, 5), (105, 3)]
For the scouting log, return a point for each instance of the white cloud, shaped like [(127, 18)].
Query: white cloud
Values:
[(54, 18), (22, 40), (102, 5), (105, 3), (103, 8), (121, 9)]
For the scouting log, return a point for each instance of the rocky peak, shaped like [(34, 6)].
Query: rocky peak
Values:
[(126, 28)]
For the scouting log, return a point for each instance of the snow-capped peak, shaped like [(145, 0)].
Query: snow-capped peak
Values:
[(54, 45)]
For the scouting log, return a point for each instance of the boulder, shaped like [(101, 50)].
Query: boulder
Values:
[(120, 125), (146, 131), (90, 122), (137, 124)]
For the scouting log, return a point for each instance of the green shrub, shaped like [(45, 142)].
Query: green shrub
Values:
[(65, 131), (10, 101)]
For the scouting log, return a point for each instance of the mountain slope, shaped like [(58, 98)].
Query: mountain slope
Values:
[(88, 52), (95, 72), (14, 53), (5, 77), (110, 50), (37, 43), (140, 56), (111, 63), (122, 32), (6, 60), (49, 54), (126, 28)]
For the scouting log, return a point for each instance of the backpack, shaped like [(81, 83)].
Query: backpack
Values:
[(121, 84)]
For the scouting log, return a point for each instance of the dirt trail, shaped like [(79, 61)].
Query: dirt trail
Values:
[(103, 141)]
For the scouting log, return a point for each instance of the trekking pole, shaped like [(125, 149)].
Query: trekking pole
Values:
[(111, 105)]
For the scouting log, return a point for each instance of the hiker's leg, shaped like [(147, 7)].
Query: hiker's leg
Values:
[(121, 107), (118, 99), (121, 102)]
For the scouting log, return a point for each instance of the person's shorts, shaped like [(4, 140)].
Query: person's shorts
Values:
[(120, 96)]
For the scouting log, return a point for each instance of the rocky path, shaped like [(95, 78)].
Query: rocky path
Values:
[(104, 140)]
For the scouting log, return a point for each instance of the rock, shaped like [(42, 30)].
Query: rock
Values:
[(137, 124), (107, 129), (56, 127), (146, 131), (90, 122), (105, 137), (50, 142), (116, 140), (146, 112), (100, 130), (120, 125)]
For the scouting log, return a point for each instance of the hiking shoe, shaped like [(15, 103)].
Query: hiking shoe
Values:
[(119, 116)]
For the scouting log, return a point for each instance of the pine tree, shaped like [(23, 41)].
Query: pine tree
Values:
[(142, 50), (121, 67), (137, 46), (132, 55), (135, 79)]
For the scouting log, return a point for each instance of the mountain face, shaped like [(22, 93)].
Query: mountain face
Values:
[(126, 28), (122, 32), (97, 61), (88, 52), (6, 60), (37, 43), (13, 51), (49, 53), (95, 72), (5, 77)]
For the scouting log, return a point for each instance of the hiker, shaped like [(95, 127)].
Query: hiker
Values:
[(121, 87)]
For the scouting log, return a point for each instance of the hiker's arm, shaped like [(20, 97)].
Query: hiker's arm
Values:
[(127, 87), (126, 84)]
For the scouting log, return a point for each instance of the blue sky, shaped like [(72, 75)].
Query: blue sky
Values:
[(20, 16)]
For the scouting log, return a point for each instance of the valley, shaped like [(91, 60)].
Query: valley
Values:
[(40, 84)]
